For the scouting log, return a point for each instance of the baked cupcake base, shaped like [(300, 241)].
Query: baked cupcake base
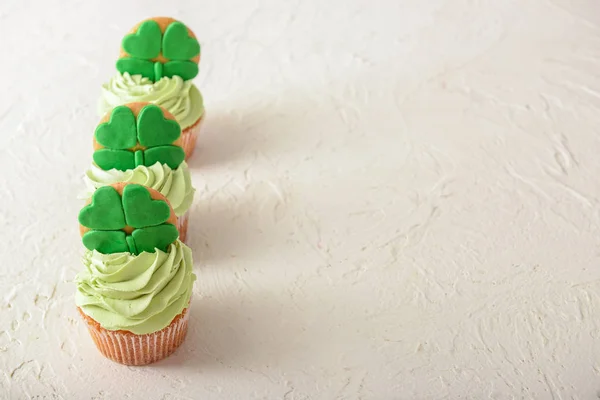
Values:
[(189, 136), (130, 349)]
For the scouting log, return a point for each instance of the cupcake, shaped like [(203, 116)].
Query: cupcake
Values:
[(140, 143), (135, 290), (159, 58)]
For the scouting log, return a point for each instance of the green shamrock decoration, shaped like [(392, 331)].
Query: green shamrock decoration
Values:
[(109, 213), (141, 210), (178, 44), (154, 129), (146, 44), (122, 132), (155, 70), (101, 214)]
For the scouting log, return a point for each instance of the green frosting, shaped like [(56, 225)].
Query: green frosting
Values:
[(181, 98), (174, 184), (141, 294)]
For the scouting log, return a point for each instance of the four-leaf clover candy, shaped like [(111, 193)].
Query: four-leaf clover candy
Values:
[(127, 217), (158, 47), (137, 134)]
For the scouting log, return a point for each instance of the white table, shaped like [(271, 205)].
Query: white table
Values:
[(396, 200)]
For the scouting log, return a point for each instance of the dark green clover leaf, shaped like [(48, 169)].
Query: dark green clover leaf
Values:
[(106, 242), (152, 130), (145, 42), (173, 156), (155, 70), (177, 44), (141, 210), (104, 212), (119, 132), (160, 237), (118, 159), (185, 69), (135, 66), (108, 214)]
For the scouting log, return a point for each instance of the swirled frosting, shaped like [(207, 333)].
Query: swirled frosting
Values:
[(174, 184), (141, 294), (180, 97)]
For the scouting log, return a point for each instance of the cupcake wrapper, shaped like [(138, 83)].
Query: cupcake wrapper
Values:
[(182, 226), (189, 137), (130, 349)]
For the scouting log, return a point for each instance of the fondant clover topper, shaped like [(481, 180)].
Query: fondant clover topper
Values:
[(127, 218), (160, 47), (137, 134)]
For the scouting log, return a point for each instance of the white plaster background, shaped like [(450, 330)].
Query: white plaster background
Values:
[(396, 200)]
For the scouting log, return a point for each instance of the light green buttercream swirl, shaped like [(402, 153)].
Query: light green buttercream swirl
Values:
[(141, 294), (180, 97), (175, 185)]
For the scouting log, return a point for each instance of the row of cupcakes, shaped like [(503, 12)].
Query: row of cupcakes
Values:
[(134, 291)]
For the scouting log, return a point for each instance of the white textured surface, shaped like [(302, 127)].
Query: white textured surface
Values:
[(397, 200)]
